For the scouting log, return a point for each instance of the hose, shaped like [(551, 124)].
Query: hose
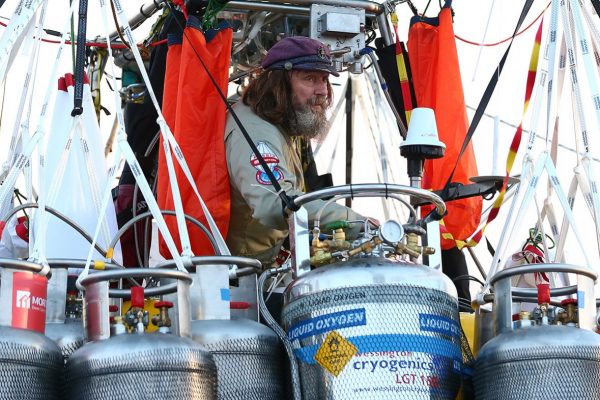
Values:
[(262, 307), (148, 214), (61, 217)]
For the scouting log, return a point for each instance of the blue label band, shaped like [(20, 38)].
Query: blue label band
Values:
[(327, 323), (439, 324), (392, 342)]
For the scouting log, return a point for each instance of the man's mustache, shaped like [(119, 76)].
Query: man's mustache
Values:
[(317, 101)]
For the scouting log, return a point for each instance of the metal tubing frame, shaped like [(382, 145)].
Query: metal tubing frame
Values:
[(22, 265), (301, 7), (97, 284), (503, 292), (372, 190)]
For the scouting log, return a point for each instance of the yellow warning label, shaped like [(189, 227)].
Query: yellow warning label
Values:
[(335, 352)]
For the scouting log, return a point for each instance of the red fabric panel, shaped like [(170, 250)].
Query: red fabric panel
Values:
[(169, 104), (438, 85), (199, 130)]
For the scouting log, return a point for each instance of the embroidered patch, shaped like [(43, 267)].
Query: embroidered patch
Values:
[(272, 162)]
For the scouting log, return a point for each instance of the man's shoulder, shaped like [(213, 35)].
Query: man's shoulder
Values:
[(258, 128)]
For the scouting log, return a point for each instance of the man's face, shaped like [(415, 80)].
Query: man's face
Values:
[(309, 96), (309, 88)]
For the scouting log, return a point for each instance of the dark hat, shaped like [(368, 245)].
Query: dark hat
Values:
[(301, 53)]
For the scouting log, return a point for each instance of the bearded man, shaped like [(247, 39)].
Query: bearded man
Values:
[(287, 101)]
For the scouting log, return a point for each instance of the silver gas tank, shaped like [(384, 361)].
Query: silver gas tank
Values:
[(141, 366), (68, 335), (30, 366), (248, 356), (372, 328), (541, 362)]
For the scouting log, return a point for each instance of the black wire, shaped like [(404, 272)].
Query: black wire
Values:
[(465, 305), (468, 278), (425, 10), (18, 196), (412, 7), (287, 200), (63, 218)]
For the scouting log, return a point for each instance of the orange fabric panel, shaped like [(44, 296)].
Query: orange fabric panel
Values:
[(169, 103), (438, 85), (199, 129)]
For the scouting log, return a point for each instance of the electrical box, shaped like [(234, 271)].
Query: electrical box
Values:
[(343, 30)]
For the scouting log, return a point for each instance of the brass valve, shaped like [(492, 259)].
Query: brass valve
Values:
[(366, 247), (412, 247), (162, 319), (320, 257), (570, 314)]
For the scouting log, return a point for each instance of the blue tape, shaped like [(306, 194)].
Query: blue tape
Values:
[(580, 299), (328, 322), (439, 324), (391, 342), (225, 294)]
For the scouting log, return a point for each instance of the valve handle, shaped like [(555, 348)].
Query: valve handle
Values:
[(161, 304), (565, 302)]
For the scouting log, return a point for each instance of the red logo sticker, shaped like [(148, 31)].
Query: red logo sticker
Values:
[(29, 301)]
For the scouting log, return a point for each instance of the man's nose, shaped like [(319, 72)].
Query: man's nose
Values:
[(321, 88)]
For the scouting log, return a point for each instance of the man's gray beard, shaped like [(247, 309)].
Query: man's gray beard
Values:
[(310, 125)]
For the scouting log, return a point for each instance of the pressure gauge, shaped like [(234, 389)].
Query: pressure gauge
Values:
[(391, 232)]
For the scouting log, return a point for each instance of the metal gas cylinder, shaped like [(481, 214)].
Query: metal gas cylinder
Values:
[(64, 324), (136, 365), (30, 363), (67, 333), (547, 361), (248, 355), (374, 327)]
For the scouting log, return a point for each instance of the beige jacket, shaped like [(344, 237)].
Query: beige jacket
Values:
[(257, 227)]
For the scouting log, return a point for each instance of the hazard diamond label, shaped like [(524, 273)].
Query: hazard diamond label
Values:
[(335, 352)]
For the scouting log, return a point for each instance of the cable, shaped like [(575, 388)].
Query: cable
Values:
[(477, 262), (468, 278), (147, 214), (63, 218), (508, 38), (287, 345)]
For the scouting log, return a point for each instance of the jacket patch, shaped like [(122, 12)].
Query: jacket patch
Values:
[(272, 161)]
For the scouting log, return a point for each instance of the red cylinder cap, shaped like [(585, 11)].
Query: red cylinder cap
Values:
[(568, 301), (239, 305), (543, 293), (160, 304), (137, 296)]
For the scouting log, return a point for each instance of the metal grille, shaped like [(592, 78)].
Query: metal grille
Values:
[(150, 374), (376, 342), (145, 385), (249, 369), (28, 371), (69, 336), (550, 379), (68, 348)]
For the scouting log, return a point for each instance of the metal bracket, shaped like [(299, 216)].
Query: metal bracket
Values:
[(481, 186)]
